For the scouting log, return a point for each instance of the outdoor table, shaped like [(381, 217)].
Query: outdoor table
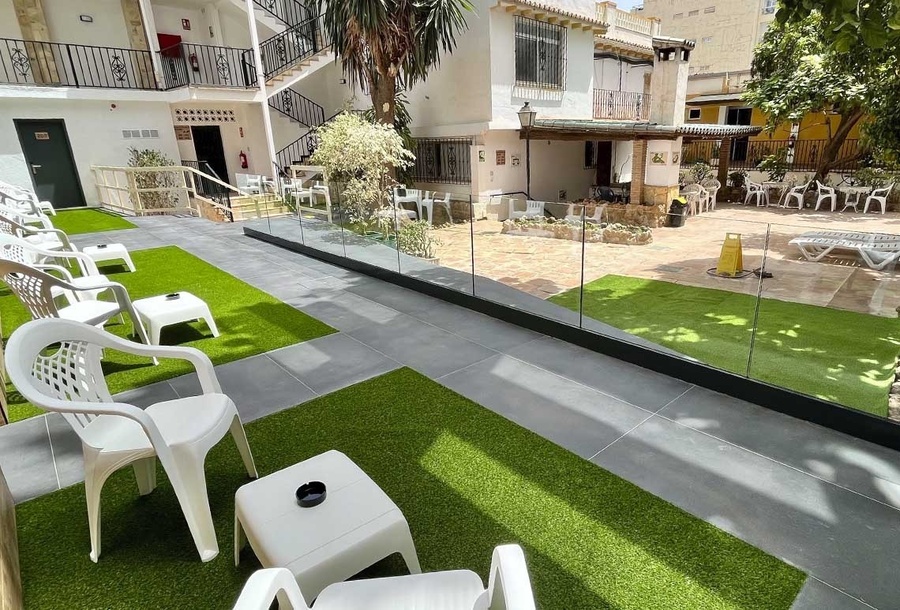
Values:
[(783, 187), (854, 192)]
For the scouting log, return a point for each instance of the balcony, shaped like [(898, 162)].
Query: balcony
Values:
[(625, 25), (621, 105), (32, 62), (188, 64)]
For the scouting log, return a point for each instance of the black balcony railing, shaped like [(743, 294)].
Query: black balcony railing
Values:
[(31, 62), (289, 12), (621, 105), (210, 66), (746, 154), (443, 161), (293, 45), (299, 108)]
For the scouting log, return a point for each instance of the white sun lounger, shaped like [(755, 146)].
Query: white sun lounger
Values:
[(877, 250)]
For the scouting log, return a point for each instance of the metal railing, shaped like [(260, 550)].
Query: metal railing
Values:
[(298, 107), (540, 50), (621, 105), (745, 154), (443, 161), (289, 12), (295, 44), (32, 62), (187, 64)]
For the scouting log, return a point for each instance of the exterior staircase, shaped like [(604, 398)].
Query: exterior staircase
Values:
[(266, 206)]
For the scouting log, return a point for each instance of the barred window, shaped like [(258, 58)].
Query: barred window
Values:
[(540, 53), (443, 161)]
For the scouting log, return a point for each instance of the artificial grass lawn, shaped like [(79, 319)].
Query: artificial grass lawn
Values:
[(73, 222), (465, 478), (841, 356), (250, 321)]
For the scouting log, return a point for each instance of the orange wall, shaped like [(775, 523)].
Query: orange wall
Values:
[(812, 127)]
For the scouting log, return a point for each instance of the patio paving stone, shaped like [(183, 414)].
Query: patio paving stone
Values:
[(27, 459)]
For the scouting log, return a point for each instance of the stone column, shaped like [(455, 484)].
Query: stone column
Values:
[(137, 37), (33, 23), (724, 160), (638, 170)]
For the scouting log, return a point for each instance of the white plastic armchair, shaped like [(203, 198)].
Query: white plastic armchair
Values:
[(712, 186), (17, 196), (21, 251), (509, 588), (824, 193), (533, 209), (69, 380), (428, 204), (797, 193), (758, 192), (878, 196), (44, 236)]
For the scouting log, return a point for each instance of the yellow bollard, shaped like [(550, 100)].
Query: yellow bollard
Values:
[(731, 260)]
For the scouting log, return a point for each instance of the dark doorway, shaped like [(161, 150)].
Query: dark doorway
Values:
[(208, 146), (604, 163), (739, 146), (48, 154)]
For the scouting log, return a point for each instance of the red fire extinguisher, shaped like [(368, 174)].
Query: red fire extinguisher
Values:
[(243, 159), (195, 63)]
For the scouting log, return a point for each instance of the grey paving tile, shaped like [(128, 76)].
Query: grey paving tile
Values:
[(427, 349), (628, 382), (333, 362), (571, 415), (816, 595), (836, 535), (474, 326), (343, 310), (395, 297), (147, 395), (869, 469), (26, 459), (257, 386), (67, 451)]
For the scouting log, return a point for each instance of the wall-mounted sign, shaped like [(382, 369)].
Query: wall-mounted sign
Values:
[(514, 161), (501, 157), (658, 158), (481, 156), (41, 135), (185, 24), (182, 132), (86, 18), (676, 157)]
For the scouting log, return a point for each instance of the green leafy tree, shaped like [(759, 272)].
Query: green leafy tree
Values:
[(390, 42), (797, 71), (875, 22)]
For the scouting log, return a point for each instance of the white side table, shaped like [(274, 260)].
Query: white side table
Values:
[(158, 312), (356, 526), (853, 194), (109, 252)]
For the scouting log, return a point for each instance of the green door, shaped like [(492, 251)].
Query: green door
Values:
[(48, 155)]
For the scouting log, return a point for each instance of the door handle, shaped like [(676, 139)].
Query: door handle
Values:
[(35, 168)]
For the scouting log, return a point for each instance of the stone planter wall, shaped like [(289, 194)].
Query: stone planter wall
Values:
[(612, 234)]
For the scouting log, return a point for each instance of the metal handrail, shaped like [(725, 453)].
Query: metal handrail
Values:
[(298, 107), (297, 13), (206, 65), (293, 45)]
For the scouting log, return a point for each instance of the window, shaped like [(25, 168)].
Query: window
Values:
[(678, 16), (693, 114), (768, 7), (709, 9), (443, 161), (540, 53), (693, 13)]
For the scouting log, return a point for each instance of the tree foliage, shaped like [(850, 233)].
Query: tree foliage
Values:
[(874, 22), (385, 42), (798, 71)]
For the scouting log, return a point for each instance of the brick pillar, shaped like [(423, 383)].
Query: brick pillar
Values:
[(638, 171), (137, 37), (33, 24), (724, 159)]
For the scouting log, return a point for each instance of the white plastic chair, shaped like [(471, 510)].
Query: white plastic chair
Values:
[(427, 205), (697, 197), (879, 196), (797, 193), (114, 435), (46, 237), (509, 588), (533, 209), (37, 290), (823, 193), (23, 197), (572, 214), (757, 192), (712, 186)]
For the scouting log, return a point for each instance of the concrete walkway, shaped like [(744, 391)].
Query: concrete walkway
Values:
[(822, 501)]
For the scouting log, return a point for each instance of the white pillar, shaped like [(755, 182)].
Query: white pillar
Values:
[(152, 39), (261, 78)]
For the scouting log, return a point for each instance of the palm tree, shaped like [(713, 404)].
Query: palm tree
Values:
[(385, 42)]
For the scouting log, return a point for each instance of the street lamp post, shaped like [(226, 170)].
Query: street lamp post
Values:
[(526, 120)]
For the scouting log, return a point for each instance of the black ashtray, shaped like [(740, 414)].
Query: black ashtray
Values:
[(101, 246), (171, 296), (311, 494)]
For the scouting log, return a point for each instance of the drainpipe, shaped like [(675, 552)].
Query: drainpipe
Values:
[(261, 79)]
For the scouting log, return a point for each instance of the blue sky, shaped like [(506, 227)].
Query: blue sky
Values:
[(627, 4)]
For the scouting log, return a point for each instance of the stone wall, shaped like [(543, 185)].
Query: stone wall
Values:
[(641, 215)]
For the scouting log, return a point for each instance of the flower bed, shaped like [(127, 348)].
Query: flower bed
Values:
[(565, 229)]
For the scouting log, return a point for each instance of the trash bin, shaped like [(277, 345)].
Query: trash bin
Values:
[(676, 214)]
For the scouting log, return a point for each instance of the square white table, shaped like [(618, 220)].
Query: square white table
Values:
[(356, 526), (109, 252), (158, 312)]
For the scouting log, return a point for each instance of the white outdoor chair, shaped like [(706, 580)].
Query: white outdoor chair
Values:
[(533, 209), (23, 195), (823, 193), (113, 434), (697, 197), (37, 289), (46, 238), (597, 216), (509, 588), (797, 193), (21, 251), (248, 183), (756, 192), (879, 196), (428, 203), (712, 186)]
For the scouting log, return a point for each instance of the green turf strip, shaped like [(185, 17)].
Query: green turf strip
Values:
[(73, 222), (466, 479), (841, 356), (250, 321)]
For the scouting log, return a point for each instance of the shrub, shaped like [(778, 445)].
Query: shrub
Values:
[(416, 239), (152, 180), (700, 171), (738, 178)]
